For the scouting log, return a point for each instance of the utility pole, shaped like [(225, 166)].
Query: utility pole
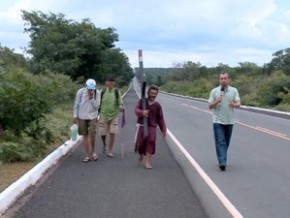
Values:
[(143, 92)]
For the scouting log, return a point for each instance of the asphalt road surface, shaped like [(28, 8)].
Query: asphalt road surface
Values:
[(113, 187), (257, 180)]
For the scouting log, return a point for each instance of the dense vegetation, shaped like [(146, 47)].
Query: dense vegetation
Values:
[(267, 86), (77, 49), (37, 93)]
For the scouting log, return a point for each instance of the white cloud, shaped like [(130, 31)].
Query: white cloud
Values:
[(13, 12), (210, 58), (209, 31)]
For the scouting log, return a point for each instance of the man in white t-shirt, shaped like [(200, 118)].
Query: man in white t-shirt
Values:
[(222, 100)]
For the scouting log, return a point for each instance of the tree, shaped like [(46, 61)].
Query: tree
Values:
[(116, 63), (280, 61), (275, 89), (78, 49), (8, 58)]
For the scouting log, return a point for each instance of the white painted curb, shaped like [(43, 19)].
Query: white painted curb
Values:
[(15, 190)]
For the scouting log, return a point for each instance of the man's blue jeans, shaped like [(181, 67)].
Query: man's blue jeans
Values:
[(222, 136)]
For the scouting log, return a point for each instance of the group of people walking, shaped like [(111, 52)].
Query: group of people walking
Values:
[(107, 104), (97, 110)]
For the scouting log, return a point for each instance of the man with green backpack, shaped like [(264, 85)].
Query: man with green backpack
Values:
[(111, 105)]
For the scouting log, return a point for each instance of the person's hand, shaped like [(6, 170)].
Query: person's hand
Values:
[(164, 134), (232, 104), (76, 121), (145, 113), (219, 99), (91, 94)]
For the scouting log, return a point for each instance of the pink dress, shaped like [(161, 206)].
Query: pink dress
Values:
[(155, 118)]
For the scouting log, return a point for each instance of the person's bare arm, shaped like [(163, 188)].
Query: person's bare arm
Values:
[(215, 103), (236, 104)]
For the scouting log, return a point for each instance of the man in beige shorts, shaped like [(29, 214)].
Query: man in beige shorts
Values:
[(111, 105), (85, 114)]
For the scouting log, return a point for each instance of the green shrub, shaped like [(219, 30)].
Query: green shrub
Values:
[(23, 147), (274, 90), (21, 100), (27, 104), (25, 98), (13, 152), (58, 88), (59, 121), (283, 107), (199, 88)]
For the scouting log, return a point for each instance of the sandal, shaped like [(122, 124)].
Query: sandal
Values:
[(86, 160), (110, 155), (95, 156)]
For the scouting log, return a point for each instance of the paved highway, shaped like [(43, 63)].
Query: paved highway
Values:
[(256, 181), (258, 173), (112, 187)]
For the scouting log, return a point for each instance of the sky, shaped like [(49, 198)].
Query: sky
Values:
[(170, 32)]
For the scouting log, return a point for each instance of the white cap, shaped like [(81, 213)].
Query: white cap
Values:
[(91, 84)]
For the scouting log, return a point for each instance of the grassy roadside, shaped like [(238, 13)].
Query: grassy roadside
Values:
[(58, 122)]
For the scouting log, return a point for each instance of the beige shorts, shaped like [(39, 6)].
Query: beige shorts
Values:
[(87, 127), (108, 125)]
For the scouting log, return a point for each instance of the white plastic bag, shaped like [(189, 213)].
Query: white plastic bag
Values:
[(74, 132)]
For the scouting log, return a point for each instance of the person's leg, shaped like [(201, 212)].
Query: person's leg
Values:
[(104, 137), (220, 143), (103, 132), (141, 158), (150, 147), (83, 130), (92, 133), (148, 159), (86, 146), (111, 143), (93, 143), (113, 129), (228, 135), (140, 144)]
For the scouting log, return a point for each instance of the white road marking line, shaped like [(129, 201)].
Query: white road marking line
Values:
[(260, 129), (229, 206), (225, 201), (196, 108)]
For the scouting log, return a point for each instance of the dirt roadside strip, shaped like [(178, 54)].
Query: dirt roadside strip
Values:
[(15, 190)]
